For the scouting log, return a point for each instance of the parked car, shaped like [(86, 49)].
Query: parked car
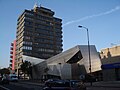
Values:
[(64, 85), (13, 78)]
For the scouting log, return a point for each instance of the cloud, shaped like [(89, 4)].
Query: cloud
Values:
[(92, 16)]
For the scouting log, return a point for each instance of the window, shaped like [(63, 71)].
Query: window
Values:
[(27, 47), (28, 18), (30, 14), (27, 37), (27, 42)]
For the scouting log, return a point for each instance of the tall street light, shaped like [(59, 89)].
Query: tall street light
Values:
[(88, 50)]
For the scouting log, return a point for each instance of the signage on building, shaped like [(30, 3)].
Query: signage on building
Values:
[(110, 66)]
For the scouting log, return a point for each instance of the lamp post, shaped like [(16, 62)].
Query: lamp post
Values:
[(88, 50)]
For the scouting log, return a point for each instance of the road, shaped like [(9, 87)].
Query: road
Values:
[(37, 86), (21, 86)]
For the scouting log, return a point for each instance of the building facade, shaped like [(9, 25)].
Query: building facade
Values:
[(12, 55), (39, 34), (110, 58)]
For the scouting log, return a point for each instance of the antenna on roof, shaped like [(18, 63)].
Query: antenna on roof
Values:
[(36, 5), (40, 5)]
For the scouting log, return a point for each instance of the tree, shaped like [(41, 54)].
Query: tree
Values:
[(26, 68), (4, 71)]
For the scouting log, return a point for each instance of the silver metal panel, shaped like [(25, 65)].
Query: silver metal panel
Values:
[(62, 70), (95, 60)]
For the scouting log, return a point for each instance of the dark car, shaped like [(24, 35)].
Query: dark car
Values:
[(64, 85)]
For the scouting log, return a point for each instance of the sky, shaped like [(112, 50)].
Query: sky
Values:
[(101, 17)]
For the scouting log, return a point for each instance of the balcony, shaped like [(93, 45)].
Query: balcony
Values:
[(11, 44), (11, 56), (11, 52), (11, 61), (11, 48), (10, 65)]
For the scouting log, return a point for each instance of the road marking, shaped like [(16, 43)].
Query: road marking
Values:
[(4, 88)]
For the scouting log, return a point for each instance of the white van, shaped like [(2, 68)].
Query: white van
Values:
[(13, 77)]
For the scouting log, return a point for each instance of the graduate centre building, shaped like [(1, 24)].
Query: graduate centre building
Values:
[(70, 64)]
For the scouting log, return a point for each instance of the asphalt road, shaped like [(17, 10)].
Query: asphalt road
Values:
[(20, 86), (37, 86)]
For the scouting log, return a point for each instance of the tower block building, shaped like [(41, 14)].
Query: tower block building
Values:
[(39, 34)]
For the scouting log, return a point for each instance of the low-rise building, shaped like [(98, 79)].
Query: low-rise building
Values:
[(110, 58)]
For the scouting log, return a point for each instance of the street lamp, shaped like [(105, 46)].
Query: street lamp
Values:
[(88, 49)]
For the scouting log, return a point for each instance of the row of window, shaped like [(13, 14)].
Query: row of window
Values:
[(57, 26), (44, 18), (28, 18), (47, 32), (40, 49), (45, 50), (28, 26), (47, 45), (43, 31), (29, 33), (27, 42), (27, 48), (43, 26), (28, 53), (29, 14), (27, 37), (44, 40), (44, 35), (28, 23), (44, 22), (39, 40)]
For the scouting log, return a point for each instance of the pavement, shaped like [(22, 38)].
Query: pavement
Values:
[(105, 84), (110, 85)]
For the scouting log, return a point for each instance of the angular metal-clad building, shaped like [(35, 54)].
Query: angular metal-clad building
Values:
[(76, 61), (70, 64)]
